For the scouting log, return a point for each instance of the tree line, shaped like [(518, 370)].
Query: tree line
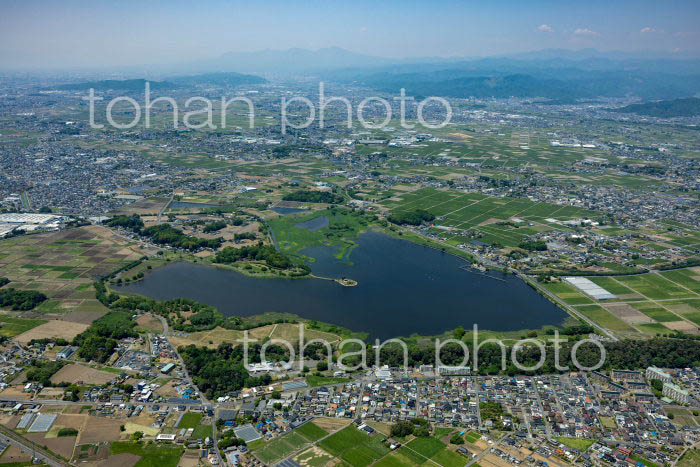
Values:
[(21, 300), (415, 217), (164, 234), (267, 253), (310, 196)]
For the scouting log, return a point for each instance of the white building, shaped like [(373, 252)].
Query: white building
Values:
[(658, 373), (675, 392)]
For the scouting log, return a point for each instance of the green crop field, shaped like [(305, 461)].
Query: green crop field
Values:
[(427, 447), (576, 443), (448, 458), (354, 446), (62, 265), (281, 447), (311, 432), (152, 455), (395, 459), (472, 437), (11, 326), (203, 431), (190, 420), (604, 318)]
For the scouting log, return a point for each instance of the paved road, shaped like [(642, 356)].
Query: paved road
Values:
[(10, 437), (205, 402), (162, 210), (567, 307)]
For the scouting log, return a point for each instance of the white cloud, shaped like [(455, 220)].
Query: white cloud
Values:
[(585, 32), (545, 28), (647, 29), (363, 29)]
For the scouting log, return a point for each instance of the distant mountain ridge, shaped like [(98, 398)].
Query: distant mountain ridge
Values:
[(217, 79), (115, 85), (688, 107), (539, 82), (556, 74)]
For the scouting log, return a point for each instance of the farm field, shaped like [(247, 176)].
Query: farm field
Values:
[(651, 303), (456, 213), (52, 328), (218, 335), (281, 448), (74, 373), (190, 420), (150, 456), (311, 431), (11, 326), (505, 222), (354, 447), (62, 265)]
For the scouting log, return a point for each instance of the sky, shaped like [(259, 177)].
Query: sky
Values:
[(99, 33)]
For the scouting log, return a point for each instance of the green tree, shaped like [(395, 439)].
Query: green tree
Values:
[(402, 428)]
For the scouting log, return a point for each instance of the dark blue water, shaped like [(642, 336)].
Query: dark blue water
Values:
[(317, 223), (285, 211), (187, 205), (403, 289)]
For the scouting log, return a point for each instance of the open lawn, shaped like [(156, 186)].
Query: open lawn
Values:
[(576, 443), (202, 431), (315, 381), (190, 420)]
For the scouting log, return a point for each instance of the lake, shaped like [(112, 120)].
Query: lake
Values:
[(189, 205), (403, 288), (285, 211)]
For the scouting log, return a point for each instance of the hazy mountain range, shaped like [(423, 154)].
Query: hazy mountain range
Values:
[(552, 73), (138, 85), (689, 107)]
